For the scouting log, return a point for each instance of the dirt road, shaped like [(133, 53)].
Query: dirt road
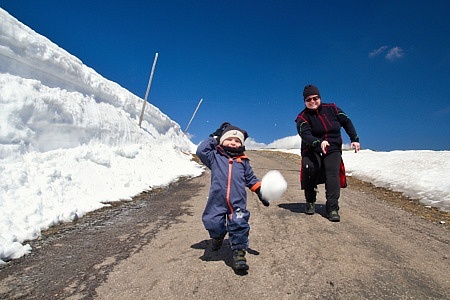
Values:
[(156, 248)]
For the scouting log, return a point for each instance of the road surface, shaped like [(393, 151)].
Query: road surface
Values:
[(155, 247)]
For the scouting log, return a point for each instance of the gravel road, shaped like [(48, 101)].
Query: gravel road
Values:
[(155, 247)]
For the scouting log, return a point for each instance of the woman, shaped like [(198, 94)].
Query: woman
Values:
[(319, 126)]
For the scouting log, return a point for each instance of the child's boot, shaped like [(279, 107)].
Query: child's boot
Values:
[(216, 244), (240, 262)]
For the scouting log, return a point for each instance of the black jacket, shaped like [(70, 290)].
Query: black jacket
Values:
[(323, 124)]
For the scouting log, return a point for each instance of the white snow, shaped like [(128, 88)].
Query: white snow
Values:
[(273, 185), (419, 174), (70, 141), (70, 144)]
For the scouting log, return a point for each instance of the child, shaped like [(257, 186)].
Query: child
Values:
[(226, 209)]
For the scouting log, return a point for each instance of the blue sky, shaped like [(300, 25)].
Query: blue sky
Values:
[(385, 63)]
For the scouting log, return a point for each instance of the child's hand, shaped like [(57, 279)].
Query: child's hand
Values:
[(261, 198), (218, 133)]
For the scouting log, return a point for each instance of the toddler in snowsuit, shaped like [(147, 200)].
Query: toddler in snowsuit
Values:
[(226, 208)]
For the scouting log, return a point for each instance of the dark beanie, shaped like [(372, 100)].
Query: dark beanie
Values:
[(233, 131), (310, 90)]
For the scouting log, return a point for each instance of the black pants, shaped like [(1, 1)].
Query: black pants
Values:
[(318, 166)]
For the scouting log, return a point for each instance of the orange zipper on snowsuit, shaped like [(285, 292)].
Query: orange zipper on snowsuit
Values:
[(230, 169)]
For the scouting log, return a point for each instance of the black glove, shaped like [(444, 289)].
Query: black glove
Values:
[(316, 146), (218, 133), (261, 198)]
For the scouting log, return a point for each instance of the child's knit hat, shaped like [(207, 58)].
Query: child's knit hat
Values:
[(233, 131)]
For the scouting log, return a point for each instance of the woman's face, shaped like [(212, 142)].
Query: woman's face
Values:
[(312, 102), (232, 142)]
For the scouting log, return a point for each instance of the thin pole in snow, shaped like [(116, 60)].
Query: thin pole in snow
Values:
[(148, 89), (193, 115)]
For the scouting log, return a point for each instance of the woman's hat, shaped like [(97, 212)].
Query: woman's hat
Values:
[(310, 90)]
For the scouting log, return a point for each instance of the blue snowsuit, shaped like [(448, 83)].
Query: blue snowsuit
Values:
[(226, 208)]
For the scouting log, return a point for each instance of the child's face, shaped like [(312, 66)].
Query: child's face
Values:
[(232, 142)]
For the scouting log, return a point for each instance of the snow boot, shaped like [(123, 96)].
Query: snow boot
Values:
[(310, 210), (240, 262), (333, 216), (216, 244)]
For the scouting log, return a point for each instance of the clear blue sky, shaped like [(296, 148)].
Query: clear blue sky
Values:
[(385, 63)]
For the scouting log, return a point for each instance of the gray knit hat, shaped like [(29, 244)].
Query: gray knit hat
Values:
[(233, 131)]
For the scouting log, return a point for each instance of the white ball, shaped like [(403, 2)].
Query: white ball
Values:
[(273, 185)]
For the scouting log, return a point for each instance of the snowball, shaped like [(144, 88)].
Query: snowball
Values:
[(273, 185)]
